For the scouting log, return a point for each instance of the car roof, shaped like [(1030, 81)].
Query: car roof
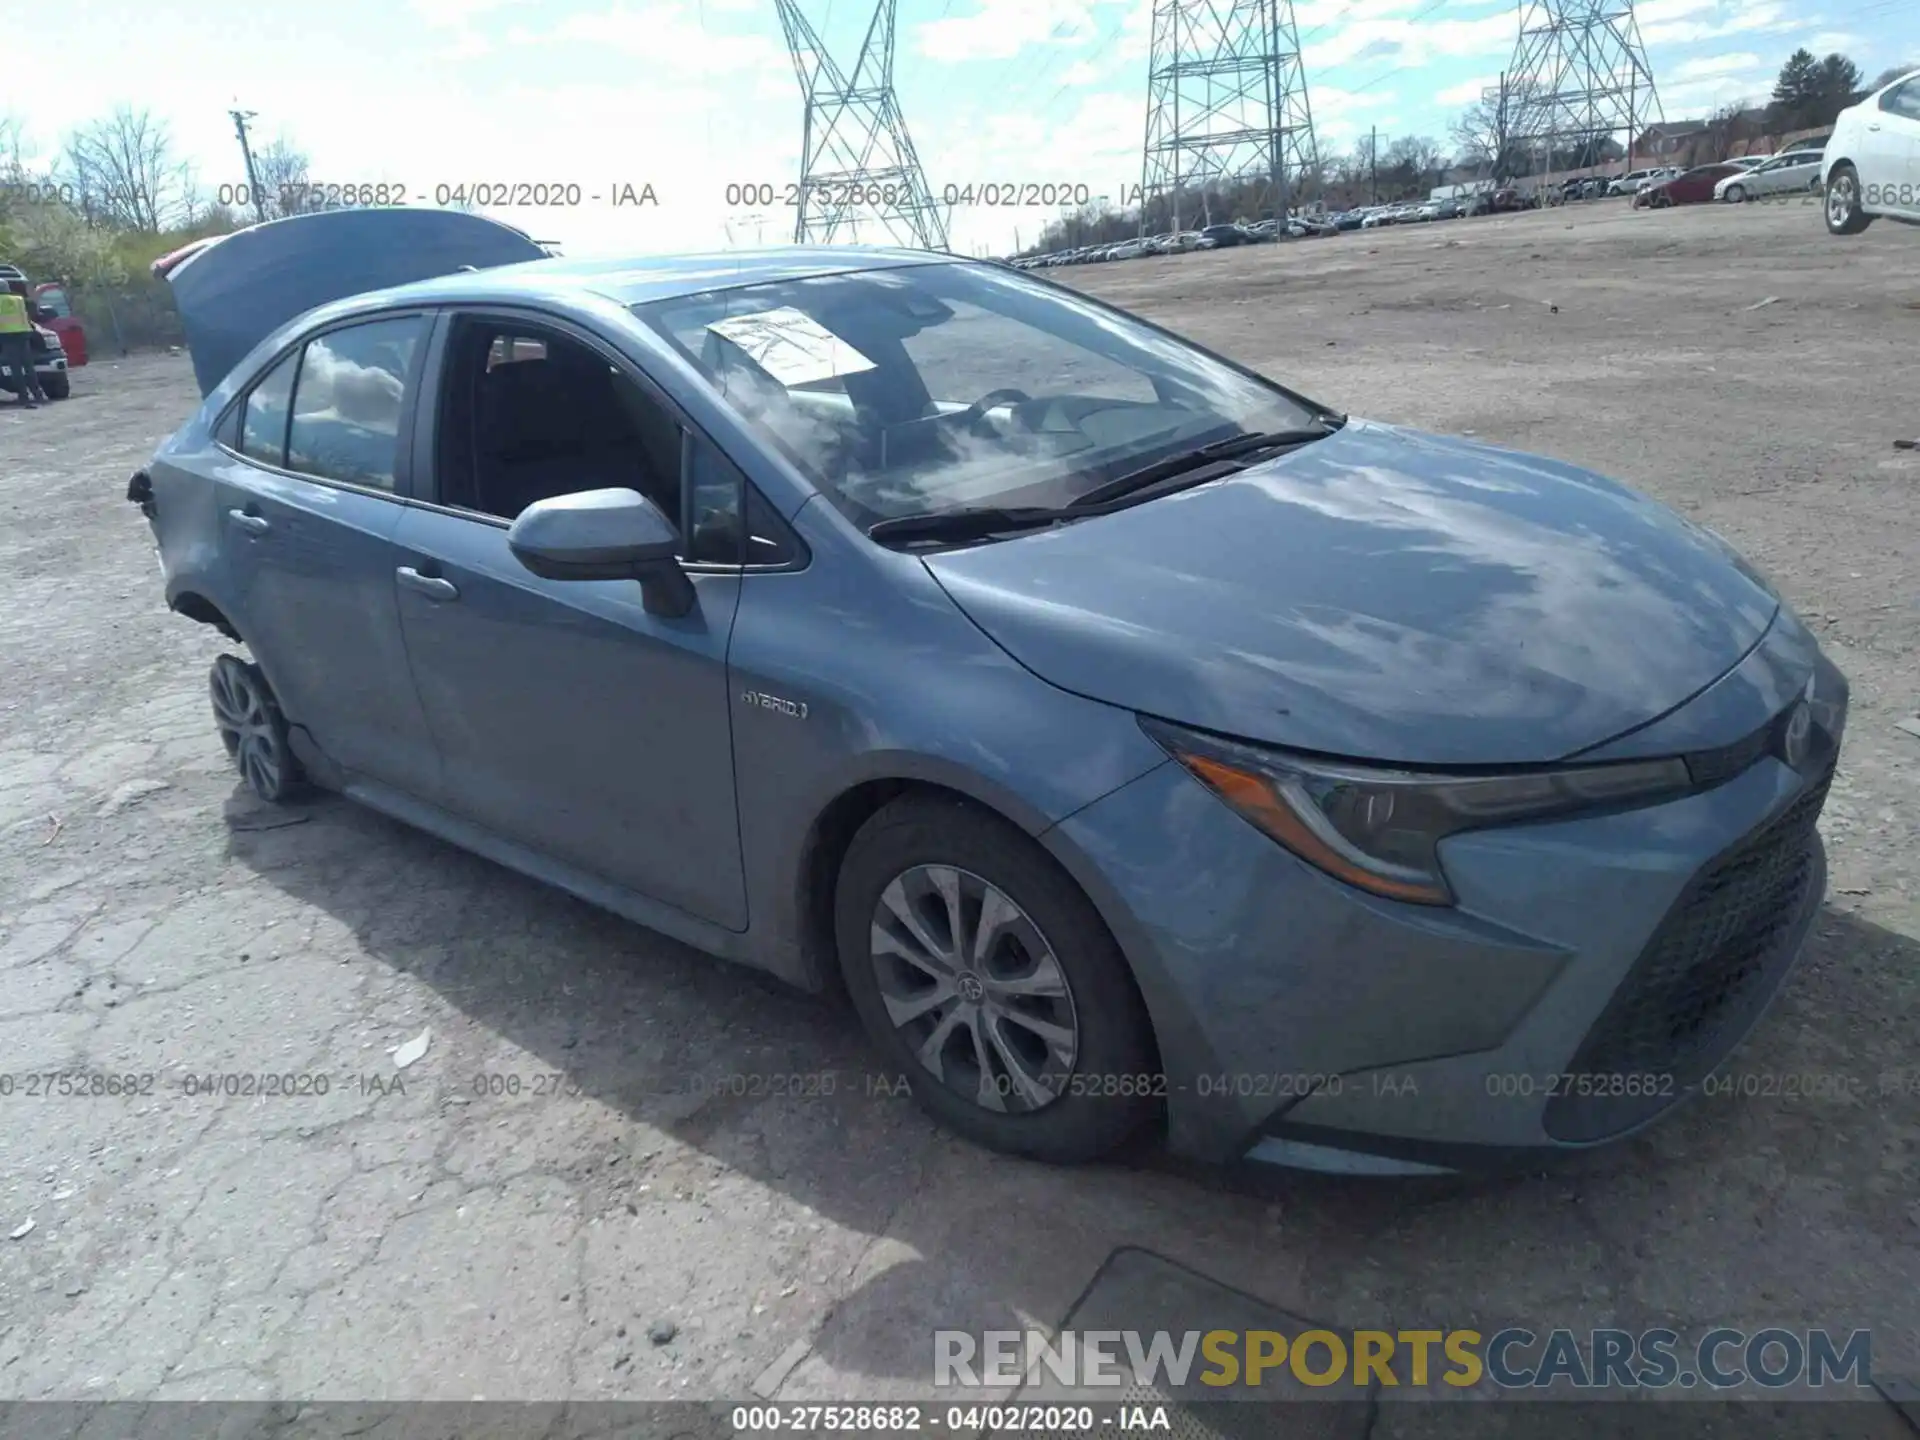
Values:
[(634, 280)]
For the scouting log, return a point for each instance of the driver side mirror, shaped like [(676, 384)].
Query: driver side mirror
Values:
[(605, 535)]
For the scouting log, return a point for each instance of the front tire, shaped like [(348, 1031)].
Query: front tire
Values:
[(985, 975), (1735, 194), (58, 387), (1844, 213), (254, 731)]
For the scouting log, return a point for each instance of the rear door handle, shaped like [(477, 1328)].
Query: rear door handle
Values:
[(430, 585), (252, 524)]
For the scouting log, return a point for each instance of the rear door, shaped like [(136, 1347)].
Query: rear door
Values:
[(1797, 172), (312, 455), (569, 718)]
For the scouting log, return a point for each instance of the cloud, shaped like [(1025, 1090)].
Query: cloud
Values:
[(1002, 29), (1411, 41), (1827, 42), (1731, 19), (1467, 92), (456, 12), (1708, 65), (670, 30), (1698, 98)]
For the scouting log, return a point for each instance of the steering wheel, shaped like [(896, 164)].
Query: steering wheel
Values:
[(1007, 394)]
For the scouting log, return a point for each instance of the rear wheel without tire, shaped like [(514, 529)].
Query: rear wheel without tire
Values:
[(1844, 215), (981, 970), (254, 731)]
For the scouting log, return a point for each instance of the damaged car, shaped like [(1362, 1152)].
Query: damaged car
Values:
[(1137, 742)]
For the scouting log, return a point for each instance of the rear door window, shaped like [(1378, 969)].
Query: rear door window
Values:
[(347, 405)]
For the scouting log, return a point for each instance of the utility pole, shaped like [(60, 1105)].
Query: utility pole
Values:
[(1373, 165), (240, 118), (1500, 131)]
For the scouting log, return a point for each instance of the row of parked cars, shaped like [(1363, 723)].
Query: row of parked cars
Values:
[(1295, 227), (1180, 242), (1745, 177)]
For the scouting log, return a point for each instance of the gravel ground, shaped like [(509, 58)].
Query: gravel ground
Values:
[(405, 1236)]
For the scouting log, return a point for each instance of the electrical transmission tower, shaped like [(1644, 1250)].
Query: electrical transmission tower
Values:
[(858, 169), (1228, 124), (1579, 77)]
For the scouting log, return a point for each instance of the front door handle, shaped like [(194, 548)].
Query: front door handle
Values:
[(1874, 126), (429, 585), (252, 524)]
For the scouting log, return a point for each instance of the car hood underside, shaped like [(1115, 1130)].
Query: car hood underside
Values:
[(1381, 594)]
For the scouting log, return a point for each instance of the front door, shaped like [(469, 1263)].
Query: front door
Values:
[(568, 718)]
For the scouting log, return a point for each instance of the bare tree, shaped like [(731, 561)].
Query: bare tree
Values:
[(1418, 155), (123, 172), (13, 148), (1480, 133)]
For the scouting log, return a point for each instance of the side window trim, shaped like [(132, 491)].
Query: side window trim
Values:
[(403, 446), (424, 450)]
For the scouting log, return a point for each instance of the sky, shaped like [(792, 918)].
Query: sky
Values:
[(692, 97)]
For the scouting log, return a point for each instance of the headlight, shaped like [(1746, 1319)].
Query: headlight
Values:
[(1380, 829)]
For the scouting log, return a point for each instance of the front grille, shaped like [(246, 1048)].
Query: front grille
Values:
[(1700, 982), (1711, 767)]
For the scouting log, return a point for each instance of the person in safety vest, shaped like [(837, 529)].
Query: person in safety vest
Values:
[(16, 343)]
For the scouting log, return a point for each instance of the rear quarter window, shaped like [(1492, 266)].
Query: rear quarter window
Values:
[(263, 427)]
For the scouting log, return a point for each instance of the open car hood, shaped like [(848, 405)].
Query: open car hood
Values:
[(1379, 594), (234, 290)]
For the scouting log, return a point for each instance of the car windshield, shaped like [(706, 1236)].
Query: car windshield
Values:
[(930, 388)]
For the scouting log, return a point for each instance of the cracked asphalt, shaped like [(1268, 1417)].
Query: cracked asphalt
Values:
[(621, 1170)]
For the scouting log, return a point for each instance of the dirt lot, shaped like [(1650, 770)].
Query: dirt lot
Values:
[(431, 1241)]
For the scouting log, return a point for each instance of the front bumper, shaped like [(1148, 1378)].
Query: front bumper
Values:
[(1594, 972)]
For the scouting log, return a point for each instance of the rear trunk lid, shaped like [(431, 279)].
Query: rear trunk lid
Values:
[(234, 290)]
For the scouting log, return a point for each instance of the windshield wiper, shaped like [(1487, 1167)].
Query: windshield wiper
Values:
[(971, 522), (977, 522), (1203, 457)]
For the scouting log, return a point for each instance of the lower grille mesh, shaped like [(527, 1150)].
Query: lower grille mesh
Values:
[(1708, 968)]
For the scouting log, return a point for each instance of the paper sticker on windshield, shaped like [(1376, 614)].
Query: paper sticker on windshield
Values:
[(791, 346)]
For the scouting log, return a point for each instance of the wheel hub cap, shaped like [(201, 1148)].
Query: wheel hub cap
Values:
[(974, 988), (1840, 201)]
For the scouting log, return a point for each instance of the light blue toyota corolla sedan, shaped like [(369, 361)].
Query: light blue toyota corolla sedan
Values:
[(1135, 741)]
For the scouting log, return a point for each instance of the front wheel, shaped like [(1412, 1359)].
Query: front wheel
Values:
[(1735, 194), (1844, 213), (985, 975), (57, 386)]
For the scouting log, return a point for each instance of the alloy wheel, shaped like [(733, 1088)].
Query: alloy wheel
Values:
[(1840, 200), (974, 989), (242, 713)]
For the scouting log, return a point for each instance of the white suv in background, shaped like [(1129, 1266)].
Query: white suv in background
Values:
[(1872, 163)]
